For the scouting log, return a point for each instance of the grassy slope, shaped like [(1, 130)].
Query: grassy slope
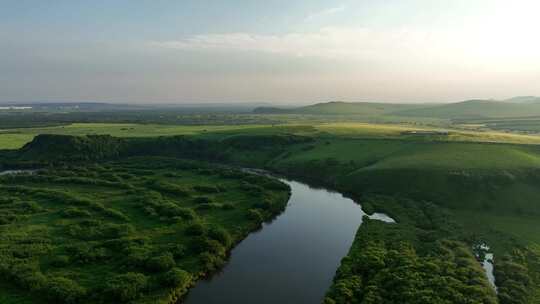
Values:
[(343, 108), (476, 109), (16, 138), (154, 198), (492, 188)]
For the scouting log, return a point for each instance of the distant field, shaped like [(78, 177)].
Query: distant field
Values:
[(393, 130), (16, 138)]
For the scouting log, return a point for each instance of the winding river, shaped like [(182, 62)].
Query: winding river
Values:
[(292, 259)]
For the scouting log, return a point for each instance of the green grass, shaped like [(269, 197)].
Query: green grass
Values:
[(115, 218), (16, 138)]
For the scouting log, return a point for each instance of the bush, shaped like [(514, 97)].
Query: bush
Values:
[(29, 207), (29, 278), (172, 210), (264, 205), (221, 235), (228, 206), (60, 261), (168, 188), (196, 229), (204, 244), (210, 261), (83, 253), (161, 263), (74, 212), (137, 256), (176, 278), (187, 214), (115, 214), (178, 251), (206, 189), (255, 215), (126, 287), (113, 231), (202, 200), (208, 206), (64, 290)]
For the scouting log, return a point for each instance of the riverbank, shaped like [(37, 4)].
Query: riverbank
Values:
[(293, 258)]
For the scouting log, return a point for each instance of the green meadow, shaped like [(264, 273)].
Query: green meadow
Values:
[(140, 230), (450, 188), (16, 138)]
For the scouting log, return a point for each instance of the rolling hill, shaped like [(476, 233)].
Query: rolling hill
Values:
[(342, 108), (525, 106), (477, 109)]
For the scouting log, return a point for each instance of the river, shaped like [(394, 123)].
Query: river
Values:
[(292, 259)]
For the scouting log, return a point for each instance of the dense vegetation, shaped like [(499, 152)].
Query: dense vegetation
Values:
[(448, 192), (138, 230)]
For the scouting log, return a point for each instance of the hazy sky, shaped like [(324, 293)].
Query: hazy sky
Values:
[(284, 51)]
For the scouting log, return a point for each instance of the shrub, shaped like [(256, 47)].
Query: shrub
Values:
[(168, 188), (115, 214), (8, 218), (29, 278), (137, 256), (221, 235), (177, 278), (83, 253), (29, 207), (206, 189), (228, 206), (255, 215), (202, 200), (187, 214), (161, 263), (178, 251), (210, 261), (126, 287), (60, 261), (64, 290), (264, 205), (74, 212), (172, 210), (113, 231), (209, 206), (195, 229), (204, 244)]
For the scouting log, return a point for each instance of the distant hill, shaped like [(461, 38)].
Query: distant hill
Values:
[(342, 108), (519, 107), (525, 106), (524, 99)]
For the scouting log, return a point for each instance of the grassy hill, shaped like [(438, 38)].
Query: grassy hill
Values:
[(477, 109), (526, 106), (342, 108)]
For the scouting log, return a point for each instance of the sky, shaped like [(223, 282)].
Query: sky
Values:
[(276, 51)]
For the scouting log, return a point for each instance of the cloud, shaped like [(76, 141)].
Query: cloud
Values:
[(483, 45), (329, 42), (326, 12)]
